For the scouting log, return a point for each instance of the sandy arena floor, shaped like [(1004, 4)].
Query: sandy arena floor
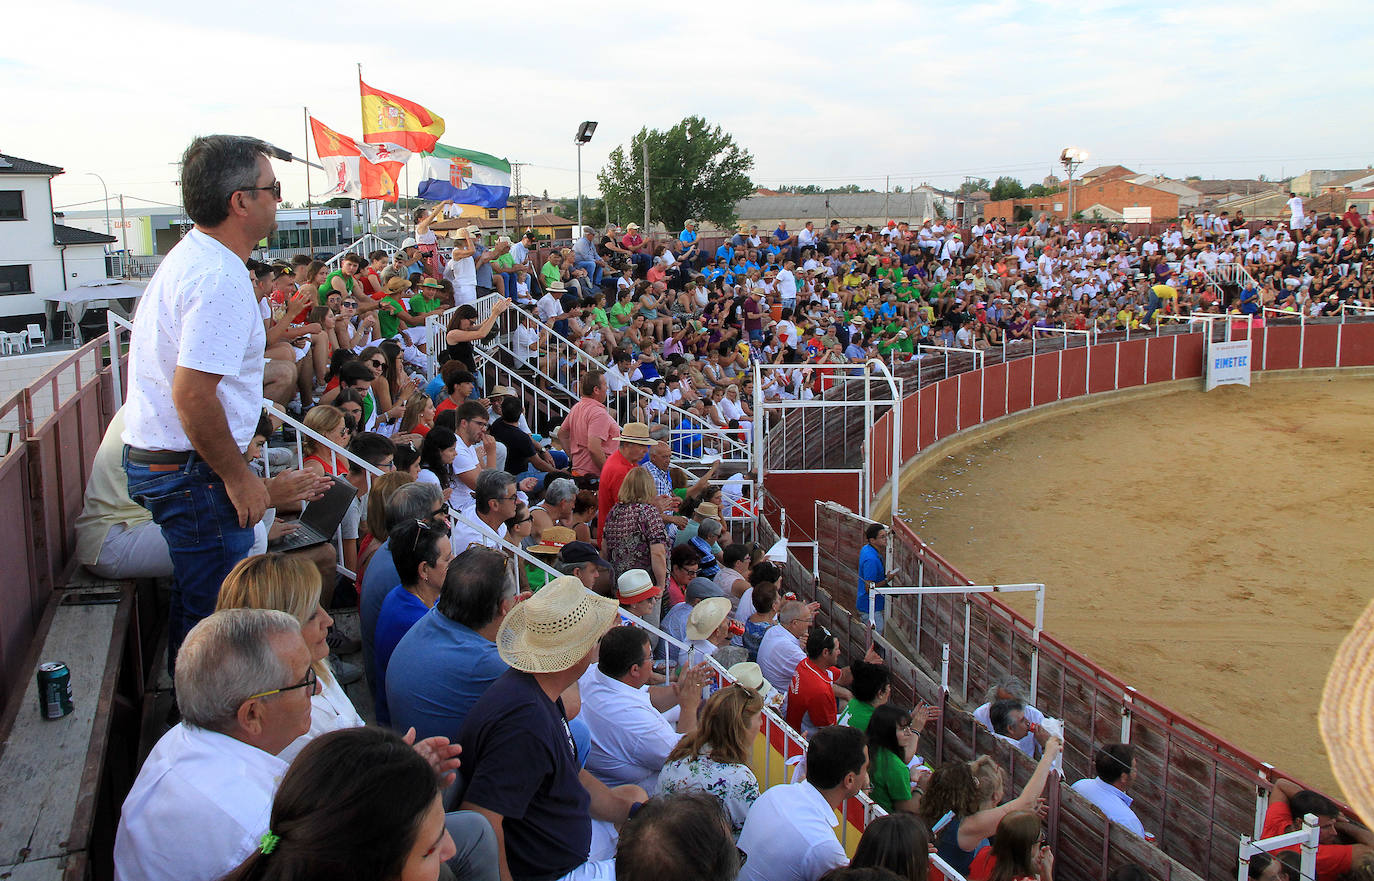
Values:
[(1210, 549)]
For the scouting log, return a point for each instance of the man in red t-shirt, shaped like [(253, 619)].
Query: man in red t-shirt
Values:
[(811, 698), (634, 442), (1289, 803)]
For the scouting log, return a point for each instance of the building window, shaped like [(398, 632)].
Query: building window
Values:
[(493, 213), (15, 280), (11, 205)]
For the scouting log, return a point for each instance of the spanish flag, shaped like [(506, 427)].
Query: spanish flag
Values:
[(388, 119)]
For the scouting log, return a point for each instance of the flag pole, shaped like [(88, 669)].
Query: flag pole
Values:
[(362, 115), (309, 215)]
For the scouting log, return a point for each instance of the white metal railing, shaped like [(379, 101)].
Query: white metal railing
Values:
[(362, 247), (1306, 838), (114, 325), (978, 354), (689, 435), (436, 330), (920, 591), (873, 371)]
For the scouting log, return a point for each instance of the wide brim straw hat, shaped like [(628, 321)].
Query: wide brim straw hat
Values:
[(552, 540), (706, 616), (556, 628), (1346, 713)]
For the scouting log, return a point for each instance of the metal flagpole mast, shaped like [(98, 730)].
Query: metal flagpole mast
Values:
[(309, 213), (362, 115)]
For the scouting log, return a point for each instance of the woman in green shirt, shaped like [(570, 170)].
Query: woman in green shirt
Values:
[(892, 740), (620, 313)]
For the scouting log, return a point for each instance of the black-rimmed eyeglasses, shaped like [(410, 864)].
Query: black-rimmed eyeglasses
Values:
[(309, 683), (274, 188)]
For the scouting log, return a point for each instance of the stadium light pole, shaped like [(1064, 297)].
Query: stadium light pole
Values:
[(1072, 158), (107, 200), (584, 134)]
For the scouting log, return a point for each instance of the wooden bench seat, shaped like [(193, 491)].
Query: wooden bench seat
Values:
[(61, 780)]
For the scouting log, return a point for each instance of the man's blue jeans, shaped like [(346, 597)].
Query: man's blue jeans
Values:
[(593, 271), (203, 534)]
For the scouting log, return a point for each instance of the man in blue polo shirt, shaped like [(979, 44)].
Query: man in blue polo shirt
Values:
[(448, 658), (873, 572)]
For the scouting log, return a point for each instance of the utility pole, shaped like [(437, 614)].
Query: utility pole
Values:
[(645, 144), (887, 196), (515, 179), (124, 229)]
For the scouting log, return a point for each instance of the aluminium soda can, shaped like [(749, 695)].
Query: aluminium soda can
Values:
[(54, 690)]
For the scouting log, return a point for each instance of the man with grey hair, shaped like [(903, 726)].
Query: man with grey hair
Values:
[(414, 501), (244, 684), (707, 542), (781, 651), (1010, 688), (494, 499), (203, 798), (560, 496), (195, 377)]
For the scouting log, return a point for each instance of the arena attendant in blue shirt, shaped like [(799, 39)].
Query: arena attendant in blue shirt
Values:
[(873, 570)]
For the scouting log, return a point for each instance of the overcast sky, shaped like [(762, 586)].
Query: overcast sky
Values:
[(824, 93)]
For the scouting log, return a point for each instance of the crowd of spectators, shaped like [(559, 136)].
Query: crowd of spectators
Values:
[(527, 724)]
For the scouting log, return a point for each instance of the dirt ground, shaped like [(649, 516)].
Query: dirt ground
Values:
[(1210, 549)]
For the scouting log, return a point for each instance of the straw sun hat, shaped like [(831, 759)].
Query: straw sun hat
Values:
[(706, 616), (1346, 714), (556, 628)]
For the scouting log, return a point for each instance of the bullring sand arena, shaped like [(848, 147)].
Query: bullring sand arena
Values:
[(1211, 549)]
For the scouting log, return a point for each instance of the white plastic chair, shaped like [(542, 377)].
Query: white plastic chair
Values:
[(36, 338)]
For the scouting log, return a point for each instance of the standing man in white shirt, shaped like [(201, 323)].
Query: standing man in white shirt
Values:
[(1115, 763), (789, 834), (195, 377), (1296, 220)]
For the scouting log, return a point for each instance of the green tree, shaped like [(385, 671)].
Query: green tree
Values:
[(973, 185), (593, 210), (1007, 188), (1035, 191), (695, 171)]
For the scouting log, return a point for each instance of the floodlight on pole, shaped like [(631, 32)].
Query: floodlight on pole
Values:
[(584, 134), (1072, 158)]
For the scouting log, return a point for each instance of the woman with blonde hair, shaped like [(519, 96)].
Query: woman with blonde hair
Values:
[(633, 536), (290, 583), (714, 757), (418, 417), (326, 420)]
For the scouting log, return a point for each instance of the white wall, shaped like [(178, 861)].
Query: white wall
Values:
[(30, 241)]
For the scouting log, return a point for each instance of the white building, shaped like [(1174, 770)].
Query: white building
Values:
[(38, 256)]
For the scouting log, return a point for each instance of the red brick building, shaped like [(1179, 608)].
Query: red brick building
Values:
[(1115, 194)]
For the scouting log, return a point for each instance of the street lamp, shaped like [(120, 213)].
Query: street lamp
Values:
[(1072, 158), (584, 134), (107, 199)]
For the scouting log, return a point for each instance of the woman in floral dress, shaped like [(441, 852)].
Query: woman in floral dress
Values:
[(714, 758)]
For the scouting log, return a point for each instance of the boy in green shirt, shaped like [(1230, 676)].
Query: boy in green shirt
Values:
[(872, 687)]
